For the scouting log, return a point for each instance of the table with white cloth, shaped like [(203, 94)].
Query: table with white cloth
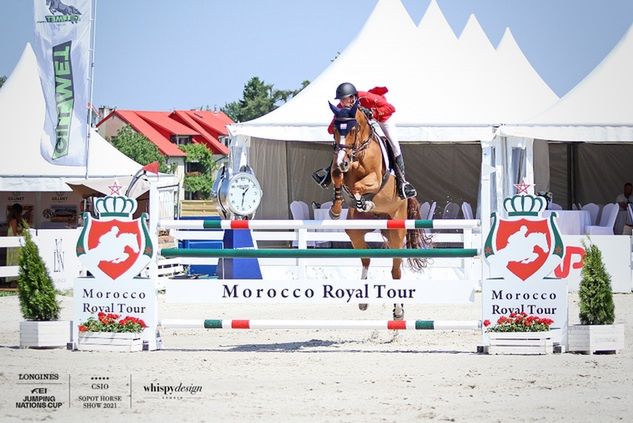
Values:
[(571, 222)]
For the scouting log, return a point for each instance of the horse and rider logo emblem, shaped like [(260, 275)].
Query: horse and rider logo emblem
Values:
[(115, 245), (525, 247)]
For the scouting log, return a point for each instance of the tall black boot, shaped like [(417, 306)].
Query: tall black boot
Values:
[(323, 176), (405, 189)]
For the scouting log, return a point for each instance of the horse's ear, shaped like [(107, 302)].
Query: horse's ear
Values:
[(334, 109), (354, 108)]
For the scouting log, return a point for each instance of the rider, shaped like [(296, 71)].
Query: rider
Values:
[(381, 111)]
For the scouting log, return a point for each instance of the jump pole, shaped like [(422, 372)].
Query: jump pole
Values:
[(321, 252), (321, 224), (322, 324)]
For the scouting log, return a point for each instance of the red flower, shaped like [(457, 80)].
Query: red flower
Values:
[(83, 328), (486, 323)]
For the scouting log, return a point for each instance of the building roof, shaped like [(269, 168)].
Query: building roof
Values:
[(204, 127)]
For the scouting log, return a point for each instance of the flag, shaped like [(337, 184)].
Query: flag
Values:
[(151, 167), (62, 32)]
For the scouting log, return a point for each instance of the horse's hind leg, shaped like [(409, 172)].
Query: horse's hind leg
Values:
[(363, 276), (358, 242), (395, 239), (396, 273)]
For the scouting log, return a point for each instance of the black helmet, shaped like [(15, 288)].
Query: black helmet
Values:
[(345, 90)]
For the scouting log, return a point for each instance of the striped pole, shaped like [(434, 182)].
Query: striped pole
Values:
[(319, 252), (323, 324), (321, 224)]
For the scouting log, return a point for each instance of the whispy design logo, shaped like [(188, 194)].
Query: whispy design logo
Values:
[(524, 247)]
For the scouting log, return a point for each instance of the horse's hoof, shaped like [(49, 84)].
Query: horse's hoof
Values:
[(363, 307), (398, 312)]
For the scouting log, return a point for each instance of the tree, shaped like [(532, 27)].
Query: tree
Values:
[(596, 298), (2, 80), (139, 148), (258, 98), (36, 291), (200, 181)]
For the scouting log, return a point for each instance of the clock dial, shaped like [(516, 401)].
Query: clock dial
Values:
[(244, 194)]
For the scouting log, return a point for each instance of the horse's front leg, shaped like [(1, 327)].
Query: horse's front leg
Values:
[(369, 184), (337, 202)]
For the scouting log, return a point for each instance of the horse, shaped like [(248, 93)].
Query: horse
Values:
[(362, 179), (112, 246)]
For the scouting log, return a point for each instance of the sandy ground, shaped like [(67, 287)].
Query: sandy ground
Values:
[(316, 375)]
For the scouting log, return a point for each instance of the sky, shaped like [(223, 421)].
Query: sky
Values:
[(166, 55)]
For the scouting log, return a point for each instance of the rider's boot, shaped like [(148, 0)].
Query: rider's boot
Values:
[(405, 189), (323, 176)]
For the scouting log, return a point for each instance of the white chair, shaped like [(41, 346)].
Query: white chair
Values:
[(300, 211), (327, 205), (554, 206), (424, 210), (607, 220), (593, 210), (467, 210), (451, 211), (432, 211)]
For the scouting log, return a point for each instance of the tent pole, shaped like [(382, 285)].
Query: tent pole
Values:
[(93, 29)]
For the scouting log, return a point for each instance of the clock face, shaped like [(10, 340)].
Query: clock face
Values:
[(244, 194)]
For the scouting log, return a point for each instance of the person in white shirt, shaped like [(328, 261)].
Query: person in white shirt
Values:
[(624, 219)]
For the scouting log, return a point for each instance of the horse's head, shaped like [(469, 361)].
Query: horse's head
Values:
[(350, 129)]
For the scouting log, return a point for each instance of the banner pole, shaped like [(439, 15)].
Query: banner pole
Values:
[(93, 29)]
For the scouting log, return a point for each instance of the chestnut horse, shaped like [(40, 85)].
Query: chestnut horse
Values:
[(362, 179)]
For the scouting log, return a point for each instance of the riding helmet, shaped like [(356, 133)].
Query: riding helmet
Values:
[(345, 90)]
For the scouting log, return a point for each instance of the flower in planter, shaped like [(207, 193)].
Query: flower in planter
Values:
[(519, 322), (110, 322)]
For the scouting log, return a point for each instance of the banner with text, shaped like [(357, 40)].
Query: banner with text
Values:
[(313, 291), (63, 54)]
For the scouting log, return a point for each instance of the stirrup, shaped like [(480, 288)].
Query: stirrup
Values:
[(407, 190), (322, 177)]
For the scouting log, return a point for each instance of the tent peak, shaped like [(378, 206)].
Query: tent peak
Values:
[(474, 36), (434, 26)]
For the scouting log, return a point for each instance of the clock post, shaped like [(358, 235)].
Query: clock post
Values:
[(239, 194)]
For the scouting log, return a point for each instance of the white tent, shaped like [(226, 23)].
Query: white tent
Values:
[(588, 130), (445, 89), (22, 167)]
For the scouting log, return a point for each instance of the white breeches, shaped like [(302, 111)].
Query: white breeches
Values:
[(390, 131)]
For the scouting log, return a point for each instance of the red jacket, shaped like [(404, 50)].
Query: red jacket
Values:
[(375, 101)]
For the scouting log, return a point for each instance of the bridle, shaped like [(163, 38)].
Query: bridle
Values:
[(356, 148)]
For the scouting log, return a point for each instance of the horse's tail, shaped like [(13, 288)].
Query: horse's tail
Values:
[(416, 238)]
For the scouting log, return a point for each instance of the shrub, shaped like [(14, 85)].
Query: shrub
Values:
[(36, 290), (596, 297)]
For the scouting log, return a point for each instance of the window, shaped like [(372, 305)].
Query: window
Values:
[(181, 139)]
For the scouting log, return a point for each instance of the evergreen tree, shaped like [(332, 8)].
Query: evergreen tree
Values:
[(3, 79), (258, 98), (36, 290), (596, 298)]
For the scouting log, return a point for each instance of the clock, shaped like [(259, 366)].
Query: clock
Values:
[(241, 194)]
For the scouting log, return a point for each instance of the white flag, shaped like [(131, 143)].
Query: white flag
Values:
[(63, 49)]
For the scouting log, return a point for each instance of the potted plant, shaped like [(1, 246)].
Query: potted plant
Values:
[(38, 302), (520, 333), (110, 332), (596, 332)]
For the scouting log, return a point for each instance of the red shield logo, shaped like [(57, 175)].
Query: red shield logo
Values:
[(116, 243), (525, 244)]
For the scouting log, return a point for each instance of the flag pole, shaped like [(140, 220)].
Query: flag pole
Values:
[(93, 29)]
